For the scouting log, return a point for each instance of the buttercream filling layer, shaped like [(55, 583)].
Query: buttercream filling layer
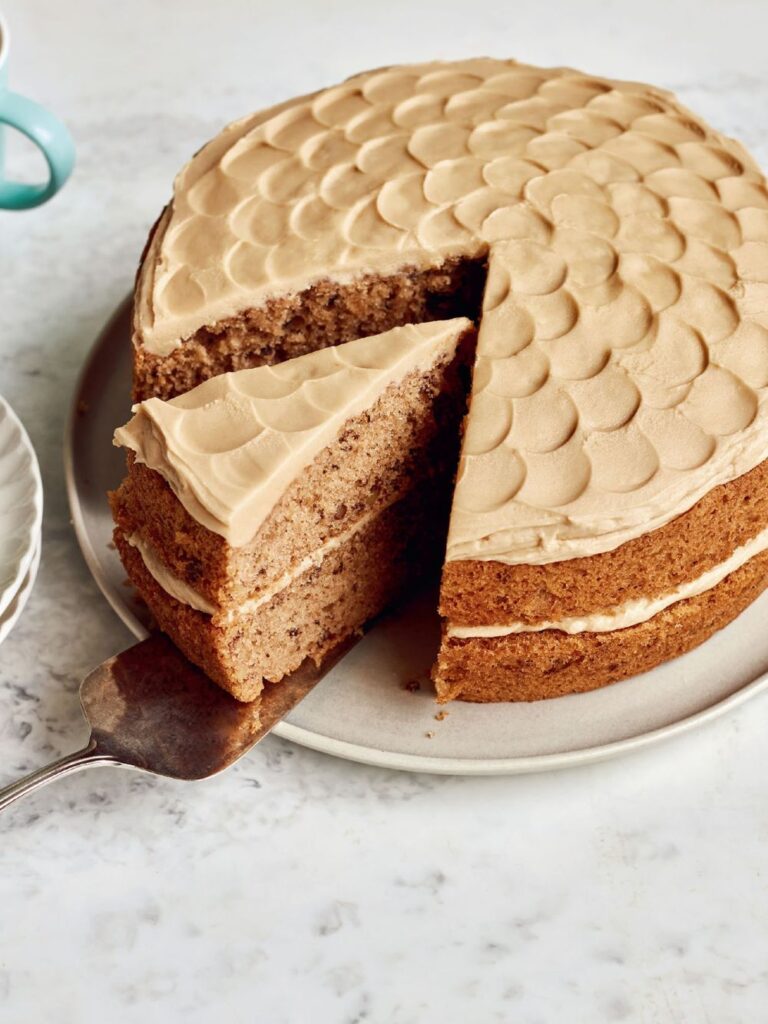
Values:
[(632, 613), (173, 585), (182, 592)]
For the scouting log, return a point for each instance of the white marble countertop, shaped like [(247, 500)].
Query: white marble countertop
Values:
[(297, 887)]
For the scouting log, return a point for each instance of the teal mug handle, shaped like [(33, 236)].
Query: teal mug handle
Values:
[(50, 136)]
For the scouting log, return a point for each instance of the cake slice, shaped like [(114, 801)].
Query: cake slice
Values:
[(269, 513)]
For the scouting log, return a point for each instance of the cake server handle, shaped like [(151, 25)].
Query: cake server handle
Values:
[(88, 757), (149, 708)]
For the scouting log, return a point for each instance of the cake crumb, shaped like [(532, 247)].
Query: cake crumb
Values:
[(429, 734), (412, 686), (441, 716)]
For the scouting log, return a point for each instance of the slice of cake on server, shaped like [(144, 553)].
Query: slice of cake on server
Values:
[(268, 514)]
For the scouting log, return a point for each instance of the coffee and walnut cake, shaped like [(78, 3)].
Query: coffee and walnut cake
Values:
[(268, 514), (610, 508)]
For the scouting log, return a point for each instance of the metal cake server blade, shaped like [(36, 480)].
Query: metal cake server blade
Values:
[(149, 708)]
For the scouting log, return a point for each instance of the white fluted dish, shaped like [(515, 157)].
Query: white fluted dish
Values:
[(11, 615), (21, 505), (361, 710)]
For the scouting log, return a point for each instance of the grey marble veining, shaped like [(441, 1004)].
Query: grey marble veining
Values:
[(297, 887)]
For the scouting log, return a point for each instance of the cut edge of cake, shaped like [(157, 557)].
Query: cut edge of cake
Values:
[(374, 536)]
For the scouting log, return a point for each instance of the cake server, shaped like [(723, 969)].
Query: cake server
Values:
[(151, 709)]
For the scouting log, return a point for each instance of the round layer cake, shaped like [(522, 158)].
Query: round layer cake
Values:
[(610, 507)]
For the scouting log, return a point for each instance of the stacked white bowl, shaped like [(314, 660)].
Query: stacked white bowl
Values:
[(21, 514)]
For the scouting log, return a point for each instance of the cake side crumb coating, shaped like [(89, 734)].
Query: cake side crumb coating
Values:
[(538, 666)]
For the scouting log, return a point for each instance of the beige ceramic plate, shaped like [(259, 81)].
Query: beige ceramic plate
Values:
[(362, 711)]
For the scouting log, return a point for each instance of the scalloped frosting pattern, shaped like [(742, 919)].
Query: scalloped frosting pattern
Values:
[(230, 447), (623, 353), (611, 392)]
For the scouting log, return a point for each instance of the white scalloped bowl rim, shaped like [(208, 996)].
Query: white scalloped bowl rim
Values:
[(21, 504), (12, 613)]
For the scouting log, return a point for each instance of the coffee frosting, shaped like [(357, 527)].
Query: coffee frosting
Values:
[(173, 585), (623, 354), (590, 425), (230, 447)]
